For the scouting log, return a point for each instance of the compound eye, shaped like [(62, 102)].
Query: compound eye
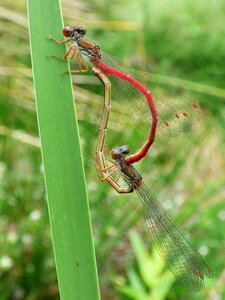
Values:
[(125, 149), (66, 31), (81, 30), (114, 154)]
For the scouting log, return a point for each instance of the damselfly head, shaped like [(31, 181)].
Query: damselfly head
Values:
[(75, 32), (115, 153), (66, 31), (118, 152), (125, 149)]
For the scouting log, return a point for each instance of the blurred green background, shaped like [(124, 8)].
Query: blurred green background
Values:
[(180, 39)]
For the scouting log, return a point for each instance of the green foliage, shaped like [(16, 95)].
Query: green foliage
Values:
[(148, 280), (181, 39), (63, 166)]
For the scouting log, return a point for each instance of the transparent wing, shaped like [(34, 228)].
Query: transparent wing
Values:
[(177, 114), (187, 265)]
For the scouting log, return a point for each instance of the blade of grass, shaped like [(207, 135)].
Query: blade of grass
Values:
[(63, 167)]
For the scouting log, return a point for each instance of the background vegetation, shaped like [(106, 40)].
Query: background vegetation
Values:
[(180, 39)]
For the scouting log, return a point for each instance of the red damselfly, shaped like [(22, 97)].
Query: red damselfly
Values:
[(172, 115)]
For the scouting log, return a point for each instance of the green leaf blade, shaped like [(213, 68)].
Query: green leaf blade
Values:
[(63, 166)]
